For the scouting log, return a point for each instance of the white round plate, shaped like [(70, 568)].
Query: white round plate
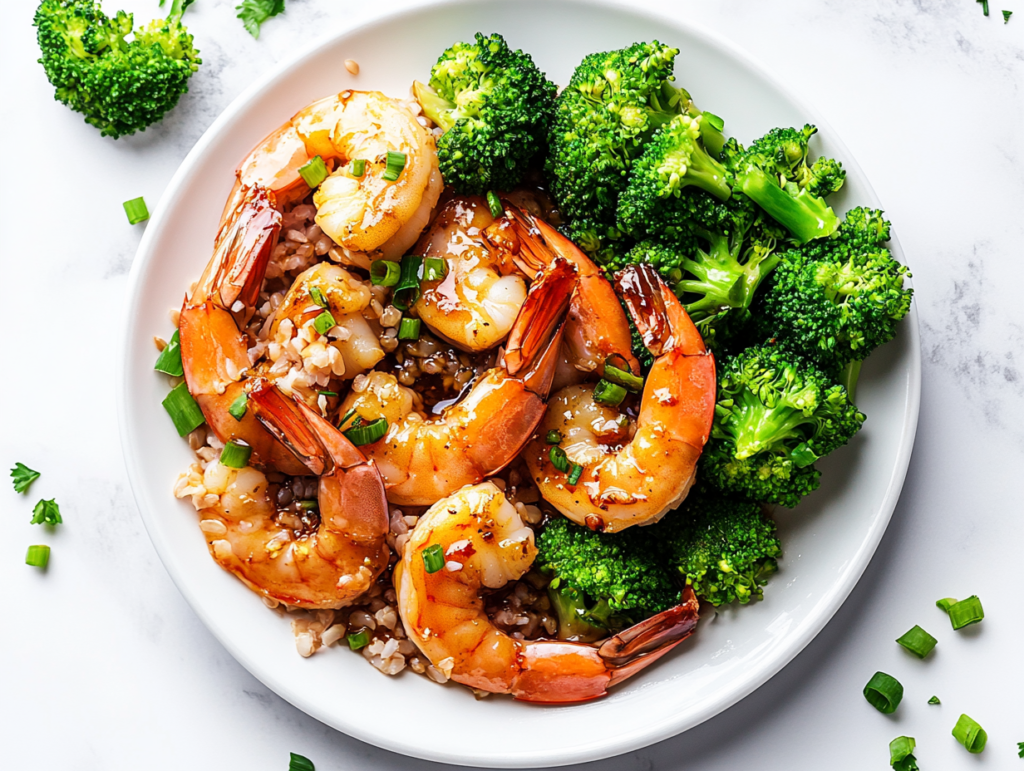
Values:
[(828, 541)]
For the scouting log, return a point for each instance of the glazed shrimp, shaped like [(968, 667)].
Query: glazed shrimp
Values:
[(474, 306), (368, 216), (326, 566), (633, 473), (424, 459), (485, 545)]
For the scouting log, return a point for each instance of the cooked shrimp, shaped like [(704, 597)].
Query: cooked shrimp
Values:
[(475, 304), (424, 459), (633, 474), (485, 545), (326, 566), (368, 216)]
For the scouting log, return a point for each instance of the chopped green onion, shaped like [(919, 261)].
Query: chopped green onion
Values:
[(1020, 749), (970, 734), (575, 472), (23, 476), (347, 415), (324, 323), (434, 269), (623, 421), (934, 700), (184, 412), (314, 172), (396, 162), (1006, 20), (384, 273), (623, 377), (359, 639), (559, 459), (611, 394), (300, 763), (318, 297), (368, 434), (136, 210), (327, 393), (358, 167), (433, 558), (494, 203), (309, 505), (239, 406), (169, 360), (235, 455), (984, 6), (407, 290), (38, 556), (46, 513), (918, 642), (946, 603), (409, 329), (883, 692), (900, 748), (966, 612), (553, 437)]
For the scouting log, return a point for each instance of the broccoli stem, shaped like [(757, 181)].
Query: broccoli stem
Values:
[(849, 376), (435, 106), (805, 215), (723, 279)]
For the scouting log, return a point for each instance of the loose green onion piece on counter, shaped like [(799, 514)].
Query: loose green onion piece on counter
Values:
[(623, 377), (184, 412), (934, 700), (169, 360), (38, 556), (984, 6), (409, 329), (309, 505), (494, 204), (606, 392), (434, 269), (367, 434), (883, 692), (359, 640), (318, 297), (384, 272), (918, 642), (324, 323), (966, 612), (239, 406), (1006, 20), (22, 477), (46, 513), (407, 290), (553, 437), (575, 472), (327, 393), (136, 211), (396, 162), (345, 418), (235, 455), (1020, 749), (899, 748), (314, 172), (559, 459), (300, 763), (970, 734), (358, 167), (946, 603), (433, 558)]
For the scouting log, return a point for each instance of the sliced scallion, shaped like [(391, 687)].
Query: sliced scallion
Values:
[(396, 162), (553, 437), (883, 692), (900, 748), (966, 612), (575, 472), (346, 417), (494, 204), (324, 323), (611, 394), (934, 700), (623, 377), (1006, 20), (559, 459), (239, 406), (359, 639), (945, 603), (1020, 749), (433, 558), (318, 298), (314, 172), (369, 433), (918, 642), (46, 512), (136, 210), (984, 6), (434, 269), (384, 273), (38, 556), (409, 329), (184, 412), (300, 763), (327, 393), (358, 167), (970, 734), (235, 455), (309, 505), (407, 290), (169, 360)]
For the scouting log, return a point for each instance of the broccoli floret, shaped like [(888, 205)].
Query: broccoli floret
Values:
[(607, 580), (776, 415), (724, 548), (119, 87), (836, 301), (494, 106)]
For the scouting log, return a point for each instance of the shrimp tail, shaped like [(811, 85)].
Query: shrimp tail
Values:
[(659, 316)]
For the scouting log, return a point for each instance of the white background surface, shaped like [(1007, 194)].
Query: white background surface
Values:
[(103, 665)]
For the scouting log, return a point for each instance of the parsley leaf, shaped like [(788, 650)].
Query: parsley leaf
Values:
[(254, 12), (23, 476), (46, 513)]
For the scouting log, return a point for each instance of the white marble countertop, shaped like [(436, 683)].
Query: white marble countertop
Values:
[(104, 666)]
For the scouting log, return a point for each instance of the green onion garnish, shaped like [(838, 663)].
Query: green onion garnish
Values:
[(235, 455), (136, 210), (309, 505), (358, 167), (575, 472), (359, 640), (314, 172), (918, 642), (433, 558), (169, 360), (409, 329), (46, 513), (324, 323), (434, 269), (946, 603), (407, 290), (984, 6), (348, 415), (966, 612), (559, 459), (1006, 19), (900, 748), (934, 700), (494, 203), (553, 437), (396, 162), (883, 692), (38, 556), (23, 476), (239, 406), (300, 763), (384, 273), (367, 434), (184, 412), (611, 394), (327, 393), (970, 734), (623, 377), (318, 297)]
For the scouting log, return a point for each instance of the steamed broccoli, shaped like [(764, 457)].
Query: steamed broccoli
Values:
[(837, 300), (776, 415), (494, 107), (725, 549), (603, 580), (119, 87)]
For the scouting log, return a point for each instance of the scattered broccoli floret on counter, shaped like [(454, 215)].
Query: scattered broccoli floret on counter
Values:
[(835, 301), (776, 415), (494, 107), (724, 548), (604, 580), (120, 87)]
